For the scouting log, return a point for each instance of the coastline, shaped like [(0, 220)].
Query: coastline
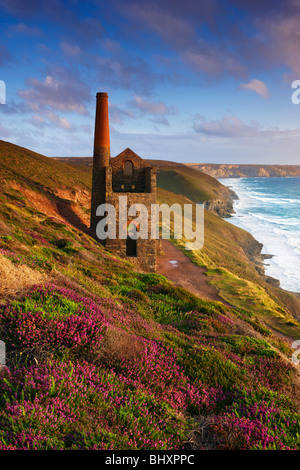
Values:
[(232, 170), (257, 221)]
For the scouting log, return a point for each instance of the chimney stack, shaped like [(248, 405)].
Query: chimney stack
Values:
[(101, 155), (101, 139)]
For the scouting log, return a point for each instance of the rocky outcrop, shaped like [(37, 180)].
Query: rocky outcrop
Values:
[(272, 281), (220, 207)]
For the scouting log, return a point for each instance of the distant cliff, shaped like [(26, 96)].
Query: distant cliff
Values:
[(246, 171)]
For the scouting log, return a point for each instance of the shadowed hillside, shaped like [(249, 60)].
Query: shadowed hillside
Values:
[(53, 187), (101, 355)]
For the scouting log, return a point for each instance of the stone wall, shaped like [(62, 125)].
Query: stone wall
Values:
[(146, 248), (111, 182)]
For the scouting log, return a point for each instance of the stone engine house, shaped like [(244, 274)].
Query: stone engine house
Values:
[(129, 175)]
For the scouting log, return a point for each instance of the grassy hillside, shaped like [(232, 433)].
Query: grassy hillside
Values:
[(103, 356), (181, 179), (22, 165)]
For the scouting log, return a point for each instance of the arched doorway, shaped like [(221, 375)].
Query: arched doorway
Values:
[(130, 246)]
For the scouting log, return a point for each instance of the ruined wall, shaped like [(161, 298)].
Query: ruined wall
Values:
[(146, 249)]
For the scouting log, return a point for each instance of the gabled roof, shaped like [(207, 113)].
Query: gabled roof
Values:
[(128, 154)]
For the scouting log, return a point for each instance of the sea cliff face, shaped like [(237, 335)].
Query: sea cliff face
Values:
[(246, 171), (220, 207)]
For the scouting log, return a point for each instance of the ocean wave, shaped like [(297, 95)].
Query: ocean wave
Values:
[(274, 220), (274, 200), (279, 220)]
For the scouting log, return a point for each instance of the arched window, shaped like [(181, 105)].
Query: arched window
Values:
[(128, 168)]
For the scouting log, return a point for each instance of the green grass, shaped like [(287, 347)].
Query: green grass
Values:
[(251, 297)]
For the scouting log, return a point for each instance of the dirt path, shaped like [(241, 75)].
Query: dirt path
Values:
[(177, 267)]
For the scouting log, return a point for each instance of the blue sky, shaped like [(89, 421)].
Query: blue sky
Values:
[(189, 81)]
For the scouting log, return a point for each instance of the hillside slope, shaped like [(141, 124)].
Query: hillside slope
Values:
[(55, 188), (103, 356)]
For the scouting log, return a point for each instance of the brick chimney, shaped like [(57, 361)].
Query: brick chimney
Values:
[(101, 139), (101, 155)]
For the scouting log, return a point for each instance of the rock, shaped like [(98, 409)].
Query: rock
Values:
[(274, 282), (219, 207)]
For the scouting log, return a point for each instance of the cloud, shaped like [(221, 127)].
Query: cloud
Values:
[(149, 107), (219, 39), (61, 90), (284, 40), (4, 132), (5, 55), (66, 13), (257, 7), (118, 115), (258, 86), (175, 30), (49, 118), (126, 73), (87, 31), (139, 106), (179, 26), (232, 129), (228, 127), (275, 41), (175, 21), (22, 28), (21, 8), (71, 50), (212, 61), (12, 107), (160, 121), (60, 121)]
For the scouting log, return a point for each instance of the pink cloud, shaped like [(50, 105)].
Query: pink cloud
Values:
[(228, 127), (48, 118), (59, 90), (285, 35), (176, 30), (179, 24), (257, 86), (149, 107), (214, 62)]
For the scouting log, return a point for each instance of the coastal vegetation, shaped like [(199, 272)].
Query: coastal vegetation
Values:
[(100, 355)]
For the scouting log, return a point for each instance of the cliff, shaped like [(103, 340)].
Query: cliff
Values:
[(246, 171)]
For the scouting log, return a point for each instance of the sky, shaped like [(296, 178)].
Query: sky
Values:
[(206, 81)]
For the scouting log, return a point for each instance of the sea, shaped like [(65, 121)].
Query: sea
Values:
[(269, 208)]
